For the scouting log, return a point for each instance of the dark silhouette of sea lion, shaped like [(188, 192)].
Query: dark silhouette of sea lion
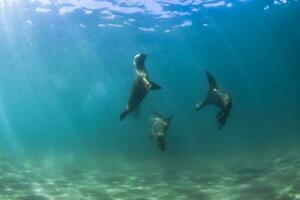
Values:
[(217, 97), (141, 85), (159, 127)]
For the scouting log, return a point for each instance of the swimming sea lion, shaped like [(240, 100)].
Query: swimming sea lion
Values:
[(141, 85), (217, 97), (159, 127)]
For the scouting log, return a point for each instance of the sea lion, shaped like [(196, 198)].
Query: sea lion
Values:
[(141, 85), (159, 127), (217, 97)]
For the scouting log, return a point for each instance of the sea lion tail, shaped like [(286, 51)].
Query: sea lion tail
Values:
[(124, 114), (154, 86)]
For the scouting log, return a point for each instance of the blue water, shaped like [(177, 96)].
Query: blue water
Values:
[(66, 76)]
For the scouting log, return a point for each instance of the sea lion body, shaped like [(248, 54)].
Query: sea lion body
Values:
[(141, 85)]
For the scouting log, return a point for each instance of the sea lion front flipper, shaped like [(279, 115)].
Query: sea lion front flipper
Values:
[(200, 105), (168, 122), (211, 80), (154, 86), (169, 119)]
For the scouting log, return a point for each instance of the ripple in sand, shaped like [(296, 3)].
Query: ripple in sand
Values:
[(33, 197), (279, 181)]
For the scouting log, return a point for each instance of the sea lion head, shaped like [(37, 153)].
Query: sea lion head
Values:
[(139, 59)]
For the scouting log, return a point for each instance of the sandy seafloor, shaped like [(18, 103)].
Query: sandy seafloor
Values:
[(261, 176)]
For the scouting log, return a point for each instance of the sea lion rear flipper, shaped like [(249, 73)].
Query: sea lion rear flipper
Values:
[(211, 81), (161, 143), (222, 118), (124, 114), (154, 86)]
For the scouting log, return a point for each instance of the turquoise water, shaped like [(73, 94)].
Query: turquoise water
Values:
[(66, 74)]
